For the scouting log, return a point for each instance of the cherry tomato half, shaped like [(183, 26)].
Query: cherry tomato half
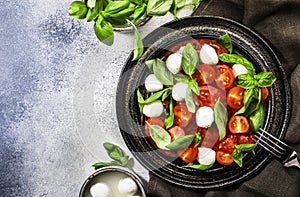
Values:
[(226, 77), (206, 74), (264, 94), (238, 124), (224, 158), (235, 97), (188, 155), (182, 116), (209, 95), (227, 144), (175, 132), (246, 139)]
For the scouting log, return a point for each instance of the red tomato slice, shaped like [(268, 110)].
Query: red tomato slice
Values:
[(209, 95), (219, 48), (264, 94), (175, 132), (226, 77), (227, 144), (235, 97), (238, 124), (224, 158), (182, 116), (188, 155), (246, 139), (206, 74)]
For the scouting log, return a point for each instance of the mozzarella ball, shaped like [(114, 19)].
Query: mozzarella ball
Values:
[(174, 63), (154, 109), (204, 117), (208, 55), (179, 91), (239, 69), (206, 156), (127, 186), (152, 84), (100, 190)]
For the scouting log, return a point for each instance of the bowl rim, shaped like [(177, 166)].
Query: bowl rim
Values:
[(120, 169)]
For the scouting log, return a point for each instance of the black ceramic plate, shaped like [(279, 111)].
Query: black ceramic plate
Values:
[(245, 42)]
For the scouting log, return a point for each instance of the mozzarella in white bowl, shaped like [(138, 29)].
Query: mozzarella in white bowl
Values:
[(127, 186), (152, 84), (154, 109), (204, 117), (179, 91), (173, 63), (208, 55), (100, 190)]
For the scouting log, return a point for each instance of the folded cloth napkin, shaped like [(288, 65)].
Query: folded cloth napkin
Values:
[(278, 21)]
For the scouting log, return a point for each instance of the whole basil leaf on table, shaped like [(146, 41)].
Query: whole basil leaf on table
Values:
[(78, 9), (158, 7), (104, 31)]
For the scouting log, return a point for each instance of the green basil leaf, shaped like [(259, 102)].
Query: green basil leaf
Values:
[(91, 15), (221, 118), (265, 79), (154, 97), (194, 86), (169, 121), (104, 31), (256, 119), (114, 151), (78, 9), (181, 142), (158, 7), (189, 100), (121, 15), (101, 165), (245, 147), (114, 7), (237, 157), (198, 139), (247, 100), (182, 78), (140, 101), (91, 3), (166, 94), (160, 136), (150, 64), (177, 6), (198, 166), (138, 12), (137, 2), (162, 73), (246, 81), (138, 46), (100, 5), (255, 103), (225, 41), (190, 59), (233, 58)]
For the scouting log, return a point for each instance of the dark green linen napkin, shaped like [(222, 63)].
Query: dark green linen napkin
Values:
[(278, 21)]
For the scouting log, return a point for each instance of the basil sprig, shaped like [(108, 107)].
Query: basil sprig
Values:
[(237, 155), (118, 156)]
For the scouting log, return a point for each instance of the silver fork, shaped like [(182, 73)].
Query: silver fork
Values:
[(278, 149)]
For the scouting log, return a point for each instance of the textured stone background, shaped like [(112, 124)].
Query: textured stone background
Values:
[(57, 89)]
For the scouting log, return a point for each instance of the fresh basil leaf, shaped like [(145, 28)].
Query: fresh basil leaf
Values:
[(114, 7), (182, 78), (225, 41), (194, 86), (121, 15), (255, 103), (138, 46), (91, 3), (221, 118), (265, 79), (237, 157), (104, 31), (245, 147), (246, 81), (162, 73), (150, 64), (190, 59), (154, 97), (198, 139), (114, 151), (160, 136), (177, 6), (198, 166), (189, 100), (78, 9), (256, 119), (101, 165), (138, 12), (247, 100), (158, 7), (169, 121), (181, 142), (91, 15), (234, 58), (140, 101), (166, 94)]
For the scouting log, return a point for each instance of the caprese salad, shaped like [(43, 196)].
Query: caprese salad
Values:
[(205, 103)]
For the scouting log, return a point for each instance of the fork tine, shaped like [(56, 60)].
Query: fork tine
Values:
[(274, 138), (272, 141), (275, 152)]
